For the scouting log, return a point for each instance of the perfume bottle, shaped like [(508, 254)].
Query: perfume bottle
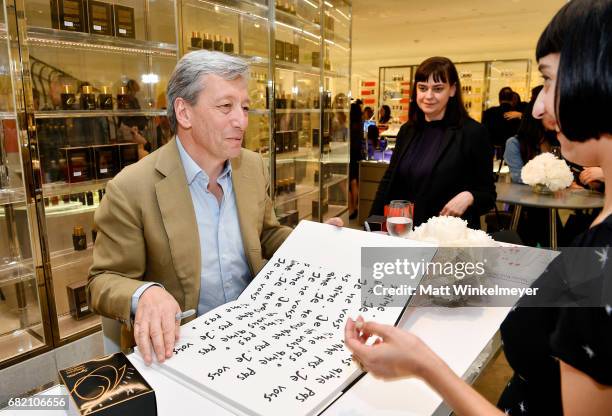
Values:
[(88, 98), (228, 46), (105, 99), (207, 42), (68, 98), (79, 238), (218, 44), (196, 40), (123, 99), (327, 61)]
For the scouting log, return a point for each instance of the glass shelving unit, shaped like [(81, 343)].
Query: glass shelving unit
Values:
[(93, 104), (23, 306)]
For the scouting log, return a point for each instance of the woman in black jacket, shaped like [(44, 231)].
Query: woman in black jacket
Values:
[(442, 158)]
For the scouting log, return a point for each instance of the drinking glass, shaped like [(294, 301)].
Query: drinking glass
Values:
[(399, 218)]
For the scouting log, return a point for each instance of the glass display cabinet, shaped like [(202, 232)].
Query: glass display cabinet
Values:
[(395, 83), (515, 74), (472, 78), (299, 53), (89, 99)]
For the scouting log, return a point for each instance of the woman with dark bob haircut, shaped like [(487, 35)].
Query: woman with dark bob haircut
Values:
[(442, 159), (562, 356)]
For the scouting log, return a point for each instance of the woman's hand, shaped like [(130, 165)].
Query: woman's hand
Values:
[(395, 354), (456, 207), (592, 174)]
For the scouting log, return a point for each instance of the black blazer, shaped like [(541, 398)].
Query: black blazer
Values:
[(464, 164)]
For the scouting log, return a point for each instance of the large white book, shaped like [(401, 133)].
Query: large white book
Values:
[(278, 349)]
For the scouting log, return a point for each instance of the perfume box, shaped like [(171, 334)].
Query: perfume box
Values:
[(279, 50), (288, 52), (128, 154), (108, 386), (69, 15), (315, 208), (295, 54), (279, 139), (287, 141), (125, 26), (79, 164), (77, 300), (100, 17), (106, 160)]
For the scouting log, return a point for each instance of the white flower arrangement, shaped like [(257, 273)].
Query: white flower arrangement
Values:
[(546, 169), (451, 232)]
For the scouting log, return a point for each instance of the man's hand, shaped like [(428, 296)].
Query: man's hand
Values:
[(337, 221), (509, 115), (457, 206), (155, 324)]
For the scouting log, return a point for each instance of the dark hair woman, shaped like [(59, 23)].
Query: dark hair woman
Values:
[(442, 159), (384, 114), (562, 355)]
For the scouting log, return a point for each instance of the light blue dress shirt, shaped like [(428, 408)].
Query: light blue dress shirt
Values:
[(224, 269), (512, 156)]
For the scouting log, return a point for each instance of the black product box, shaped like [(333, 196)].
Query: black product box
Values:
[(106, 160), (279, 142), (289, 218), (316, 59), (279, 50), (295, 144), (77, 300), (128, 154), (79, 164), (315, 208), (315, 137), (109, 386), (69, 15), (287, 141), (288, 52), (100, 18), (124, 24), (296, 54)]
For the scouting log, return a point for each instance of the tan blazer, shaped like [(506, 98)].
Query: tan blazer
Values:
[(147, 231)]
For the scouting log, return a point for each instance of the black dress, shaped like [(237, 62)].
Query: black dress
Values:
[(535, 338)]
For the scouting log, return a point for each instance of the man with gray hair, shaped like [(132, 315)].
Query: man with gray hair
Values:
[(190, 225)]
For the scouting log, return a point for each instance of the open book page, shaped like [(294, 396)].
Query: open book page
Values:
[(279, 348)]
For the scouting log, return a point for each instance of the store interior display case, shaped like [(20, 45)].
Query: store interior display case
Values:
[(93, 103), (23, 300), (395, 87), (515, 74)]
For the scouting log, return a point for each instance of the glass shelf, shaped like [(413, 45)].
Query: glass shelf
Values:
[(41, 36), (98, 113), (300, 192), (295, 20), (15, 272), (247, 8), (63, 188), (12, 196), (300, 68), (297, 110), (7, 115)]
